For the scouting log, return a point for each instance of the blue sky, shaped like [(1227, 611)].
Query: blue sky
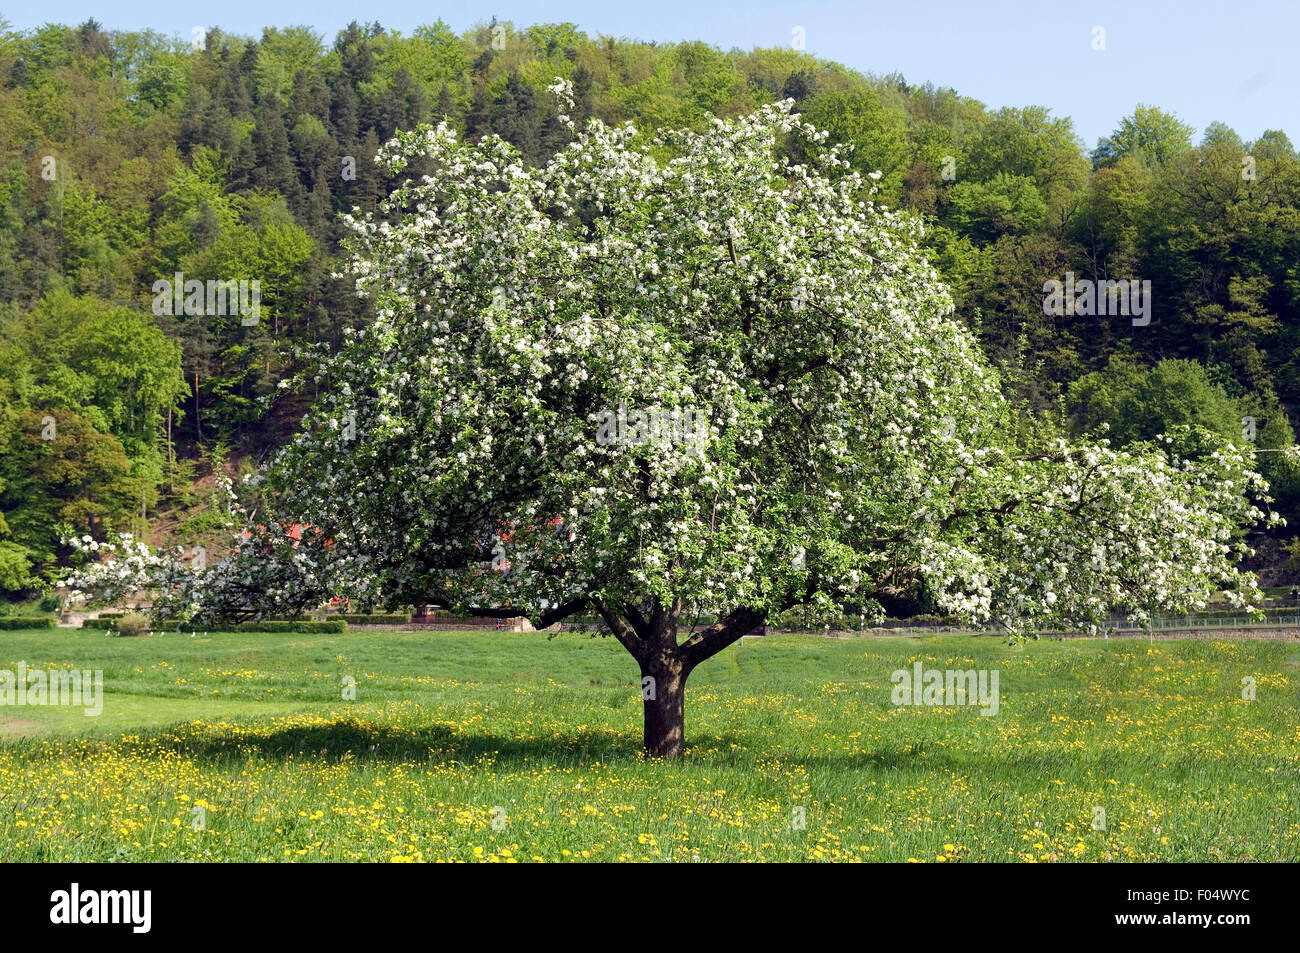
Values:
[(1205, 60)]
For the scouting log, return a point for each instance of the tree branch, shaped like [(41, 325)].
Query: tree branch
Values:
[(711, 640), (622, 631), (543, 621)]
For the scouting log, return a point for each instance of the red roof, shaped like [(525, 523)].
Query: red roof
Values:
[(294, 533)]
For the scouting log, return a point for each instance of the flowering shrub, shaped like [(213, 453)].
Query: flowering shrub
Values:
[(132, 624)]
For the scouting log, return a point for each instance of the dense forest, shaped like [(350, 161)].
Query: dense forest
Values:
[(128, 159)]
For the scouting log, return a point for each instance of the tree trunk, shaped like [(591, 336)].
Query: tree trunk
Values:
[(664, 699), (665, 665), (171, 455)]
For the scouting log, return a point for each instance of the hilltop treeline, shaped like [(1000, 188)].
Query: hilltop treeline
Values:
[(129, 158)]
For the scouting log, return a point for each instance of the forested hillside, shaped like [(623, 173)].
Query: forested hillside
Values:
[(132, 159)]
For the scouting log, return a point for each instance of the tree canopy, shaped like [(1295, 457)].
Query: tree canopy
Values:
[(127, 157)]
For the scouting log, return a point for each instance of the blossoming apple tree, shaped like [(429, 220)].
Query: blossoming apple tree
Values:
[(855, 444)]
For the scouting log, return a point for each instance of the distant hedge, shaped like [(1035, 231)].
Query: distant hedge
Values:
[(26, 622), (105, 620), (334, 626), (378, 619), (326, 628)]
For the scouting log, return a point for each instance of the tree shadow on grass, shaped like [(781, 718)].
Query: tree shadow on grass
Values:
[(362, 742)]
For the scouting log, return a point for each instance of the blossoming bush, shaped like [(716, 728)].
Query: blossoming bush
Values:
[(273, 569), (857, 447), (132, 624)]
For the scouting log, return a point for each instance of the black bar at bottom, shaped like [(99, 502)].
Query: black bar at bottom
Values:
[(303, 902)]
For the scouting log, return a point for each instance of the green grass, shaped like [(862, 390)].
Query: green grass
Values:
[(451, 730)]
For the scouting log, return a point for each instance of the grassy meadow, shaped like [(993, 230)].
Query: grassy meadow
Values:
[(505, 747)]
